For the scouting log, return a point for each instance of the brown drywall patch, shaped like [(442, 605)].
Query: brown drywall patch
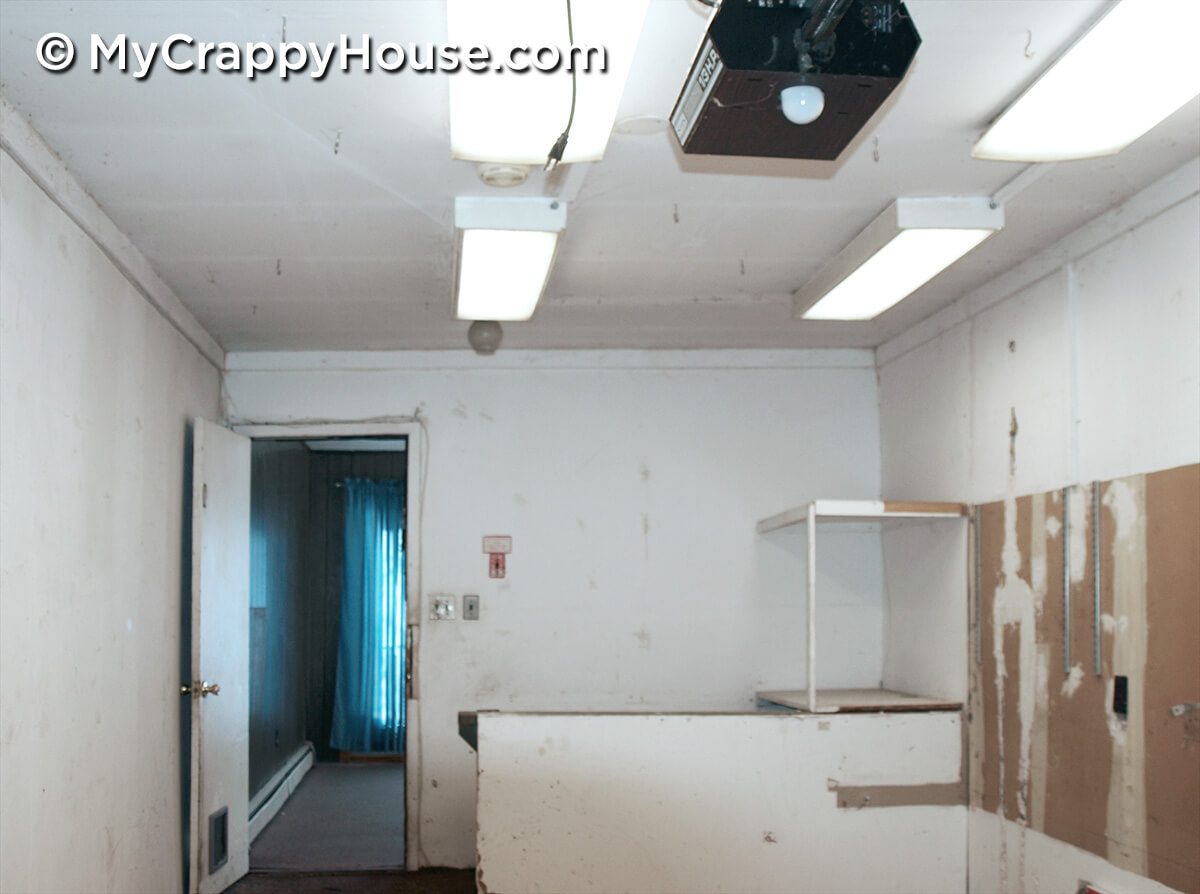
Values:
[(985, 699), (1079, 752), (1006, 739), (903, 506), (857, 797), (1172, 676), (1076, 772)]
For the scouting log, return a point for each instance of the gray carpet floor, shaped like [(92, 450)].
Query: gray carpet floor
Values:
[(342, 817)]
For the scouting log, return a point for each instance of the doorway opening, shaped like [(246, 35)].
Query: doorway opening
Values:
[(330, 653)]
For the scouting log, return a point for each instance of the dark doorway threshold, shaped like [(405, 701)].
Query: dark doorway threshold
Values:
[(427, 881)]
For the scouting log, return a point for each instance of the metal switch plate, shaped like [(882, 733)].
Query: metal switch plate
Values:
[(470, 608), (442, 609)]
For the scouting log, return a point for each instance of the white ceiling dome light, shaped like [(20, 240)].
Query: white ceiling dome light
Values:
[(802, 103)]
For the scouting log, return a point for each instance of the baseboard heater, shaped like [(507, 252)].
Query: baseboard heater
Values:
[(271, 797)]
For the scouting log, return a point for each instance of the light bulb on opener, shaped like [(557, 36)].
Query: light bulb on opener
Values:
[(803, 103)]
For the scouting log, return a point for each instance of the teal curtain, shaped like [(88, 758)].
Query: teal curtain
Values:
[(368, 703)]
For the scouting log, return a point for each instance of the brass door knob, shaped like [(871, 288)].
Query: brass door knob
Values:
[(201, 689)]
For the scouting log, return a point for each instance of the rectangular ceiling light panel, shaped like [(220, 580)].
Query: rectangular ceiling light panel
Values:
[(1131, 70), (505, 255), (516, 117), (901, 250)]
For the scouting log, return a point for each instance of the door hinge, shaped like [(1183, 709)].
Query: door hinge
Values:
[(204, 496)]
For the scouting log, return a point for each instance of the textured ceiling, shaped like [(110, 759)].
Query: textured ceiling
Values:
[(319, 215)]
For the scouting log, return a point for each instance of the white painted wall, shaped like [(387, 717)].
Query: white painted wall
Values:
[(926, 622), (631, 483), (1094, 345), (664, 804), (96, 388)]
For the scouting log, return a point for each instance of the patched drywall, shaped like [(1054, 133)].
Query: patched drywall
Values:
[(631, 484), (1076, 765), (1086, 371), (96, 393)]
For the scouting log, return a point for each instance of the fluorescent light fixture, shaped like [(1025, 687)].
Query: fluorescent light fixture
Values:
[(502, 273), (515, 117), (1131, 70), (505, 254), (909, 244)]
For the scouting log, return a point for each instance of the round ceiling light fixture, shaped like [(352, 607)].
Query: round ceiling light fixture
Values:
[(484, 336), (803, 103), (503, 175)]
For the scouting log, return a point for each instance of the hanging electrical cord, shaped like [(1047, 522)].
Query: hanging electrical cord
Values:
[(554, 156)]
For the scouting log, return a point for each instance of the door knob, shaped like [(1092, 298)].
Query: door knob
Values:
[(200, 688)]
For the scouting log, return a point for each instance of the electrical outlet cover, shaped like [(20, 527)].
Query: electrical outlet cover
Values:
[(442, 609)]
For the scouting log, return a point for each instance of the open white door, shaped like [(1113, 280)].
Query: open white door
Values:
[(219, 843)]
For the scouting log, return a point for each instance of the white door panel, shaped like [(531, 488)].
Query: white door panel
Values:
[(220, 657)]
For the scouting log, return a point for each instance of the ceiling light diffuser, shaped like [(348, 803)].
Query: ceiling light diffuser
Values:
[(516, 117), (505, 254), (1131, 70), (909, 244)]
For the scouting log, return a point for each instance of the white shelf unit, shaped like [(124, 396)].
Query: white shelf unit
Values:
[(832, 701)]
